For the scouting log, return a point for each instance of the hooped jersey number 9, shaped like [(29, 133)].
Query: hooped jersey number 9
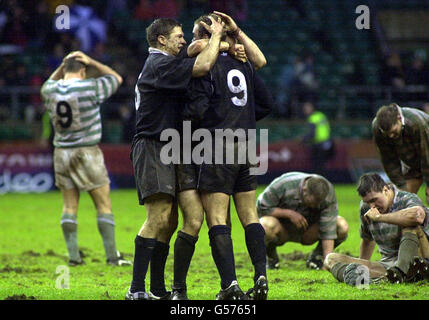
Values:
[(67, 115), (239, 88)]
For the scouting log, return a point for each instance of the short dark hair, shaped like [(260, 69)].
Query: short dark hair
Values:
[(201, 30), (387, 116), (318, 188), (370, 182), (73, 65), (160, 27)]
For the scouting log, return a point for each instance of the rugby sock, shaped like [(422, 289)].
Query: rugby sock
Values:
[(337, 242), (223, 253), (255, 242), (337, 270), (106, 227), (69, 226), (157, 268), (272, 250), (318, 251), (184, 248), (142, 256), (408, 249)]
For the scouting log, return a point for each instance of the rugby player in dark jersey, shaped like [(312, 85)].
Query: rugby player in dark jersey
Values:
[(218, 101), (159, 99)]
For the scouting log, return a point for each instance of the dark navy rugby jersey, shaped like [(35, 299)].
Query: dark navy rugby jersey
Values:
[(225, 98), (161, 92), (264, 101)]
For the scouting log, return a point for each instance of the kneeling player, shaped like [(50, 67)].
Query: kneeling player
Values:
[(300, 207)]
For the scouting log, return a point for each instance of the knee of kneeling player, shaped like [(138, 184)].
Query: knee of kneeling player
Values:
[(269, 224), (342, 228)]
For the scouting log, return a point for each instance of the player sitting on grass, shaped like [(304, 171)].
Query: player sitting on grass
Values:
[(301, 207), (73, 102), (397, 222)]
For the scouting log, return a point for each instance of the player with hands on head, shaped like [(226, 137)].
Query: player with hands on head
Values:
[(214, 104), (189, 197), (253, 52), (73, 102)]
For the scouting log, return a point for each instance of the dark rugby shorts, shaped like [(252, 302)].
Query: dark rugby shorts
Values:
[(186, 176), (151, 175), (226, 178), (412, 173)]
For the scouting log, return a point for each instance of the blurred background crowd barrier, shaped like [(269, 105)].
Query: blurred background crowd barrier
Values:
[(314, 51)]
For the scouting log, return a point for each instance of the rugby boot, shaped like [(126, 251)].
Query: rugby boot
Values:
[(260, 289), (179, 294), (139, 295), (233, 292), (395, 275), (418, 271)]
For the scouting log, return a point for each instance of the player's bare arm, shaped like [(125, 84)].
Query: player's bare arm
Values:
[(409, 217), (296, 218), (58, 73), (198, 45), (390, 161), (101, 68), (207, 58), (255, 55), (238, 51), (366, 249), (328, 247)]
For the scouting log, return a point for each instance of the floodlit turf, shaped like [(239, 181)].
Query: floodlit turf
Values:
[(32, 253)]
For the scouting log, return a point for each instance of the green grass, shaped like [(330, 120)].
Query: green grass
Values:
[(32, 247)]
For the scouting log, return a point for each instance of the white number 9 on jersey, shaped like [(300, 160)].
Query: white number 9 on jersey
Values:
[(240, 87)]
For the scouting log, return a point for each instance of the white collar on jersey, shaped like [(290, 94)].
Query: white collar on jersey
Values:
[(66, 82), (155, 50)]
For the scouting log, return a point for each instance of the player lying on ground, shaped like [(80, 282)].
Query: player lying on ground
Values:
[(301, 207), (397, 222)]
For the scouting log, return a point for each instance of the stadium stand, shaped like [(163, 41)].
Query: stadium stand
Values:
[(348, 64)]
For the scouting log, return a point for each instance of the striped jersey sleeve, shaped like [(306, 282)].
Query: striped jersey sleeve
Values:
[(328, 216), (270, 198), (106, 86), (364, 231)]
